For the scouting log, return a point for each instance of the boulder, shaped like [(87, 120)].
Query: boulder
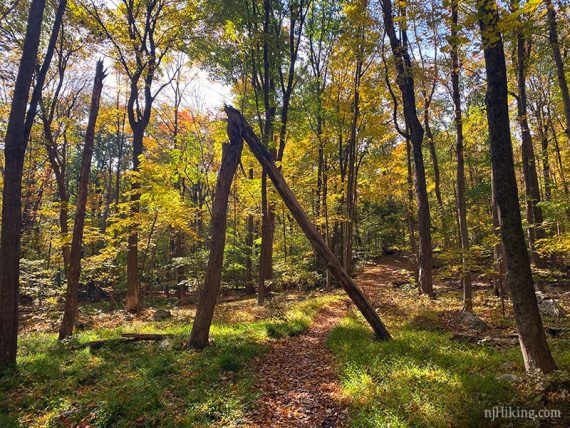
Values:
[(161, 315), (550, 308), (472, 321)]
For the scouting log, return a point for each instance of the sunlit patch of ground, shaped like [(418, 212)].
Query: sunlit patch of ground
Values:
[(423, 377), (148, 383)]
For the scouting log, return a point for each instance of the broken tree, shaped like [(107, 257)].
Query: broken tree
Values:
[(210, 290), (239, 129)]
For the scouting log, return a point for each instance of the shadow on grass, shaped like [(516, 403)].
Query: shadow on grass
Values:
[(420, 378)]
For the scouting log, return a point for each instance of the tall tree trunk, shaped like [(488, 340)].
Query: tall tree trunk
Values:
[(210, 289), (133, 303), (460, 173), (351, 164), (555, 44), (436, 177), (268, 89), (558, 155), (546, 168), (15, 144), (410, 207), (498, 252), (532, 191), (74, 271), (16, 140), (237, 125), (266, 250), (249, 288), (534, 347), (405, 81)]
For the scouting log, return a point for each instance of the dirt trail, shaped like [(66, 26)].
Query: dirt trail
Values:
[(298, 382)]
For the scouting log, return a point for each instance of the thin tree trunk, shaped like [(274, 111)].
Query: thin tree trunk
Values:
[(249, 287), (238, 125), (133, 303), (266, 251), (405, 82), (210, 289), (460, 173), (534, 346), (351, 164), (74, 272), (555, 44), (533, 210)]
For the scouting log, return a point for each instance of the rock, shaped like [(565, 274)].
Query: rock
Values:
[(128, 316), (166, 344), (509, 377), (550, 308), (472, 321), (540, 296), (161, 315), (555, 331)]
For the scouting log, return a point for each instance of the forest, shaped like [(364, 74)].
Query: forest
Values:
[(285, 213)]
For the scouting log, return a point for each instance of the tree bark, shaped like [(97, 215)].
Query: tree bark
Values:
[(249, 287), (405, 82), (555, 44), (74, 271), (210, 290), (533, 210), (460, 173), (133, 303), (351, 164), (15, 144), (237, 125), (534, 347)]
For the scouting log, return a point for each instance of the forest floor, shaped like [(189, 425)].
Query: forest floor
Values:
[(304, 360), (297, 379)]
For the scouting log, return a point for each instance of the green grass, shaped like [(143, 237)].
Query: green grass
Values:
[(423, 379), (143, 384)]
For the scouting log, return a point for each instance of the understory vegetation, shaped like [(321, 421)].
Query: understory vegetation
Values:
[(148, 384)]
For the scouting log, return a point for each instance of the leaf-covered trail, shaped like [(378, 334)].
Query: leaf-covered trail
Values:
[(297, 379)]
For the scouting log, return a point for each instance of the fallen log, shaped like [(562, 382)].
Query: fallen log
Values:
[(237, 125), (125, 338), (147, 336)]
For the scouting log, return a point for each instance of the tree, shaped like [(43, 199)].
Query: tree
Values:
[(533, 210), (74, 270), (22, 114), (532, 338), (560, 73), (142, 33), (460, 172), (210, 290), (405, 80)]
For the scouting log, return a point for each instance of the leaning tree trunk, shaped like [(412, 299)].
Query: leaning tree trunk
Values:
[(74, 270), (210, 290), (14, 149), (461, 205), (532, 338), (237, 125)]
